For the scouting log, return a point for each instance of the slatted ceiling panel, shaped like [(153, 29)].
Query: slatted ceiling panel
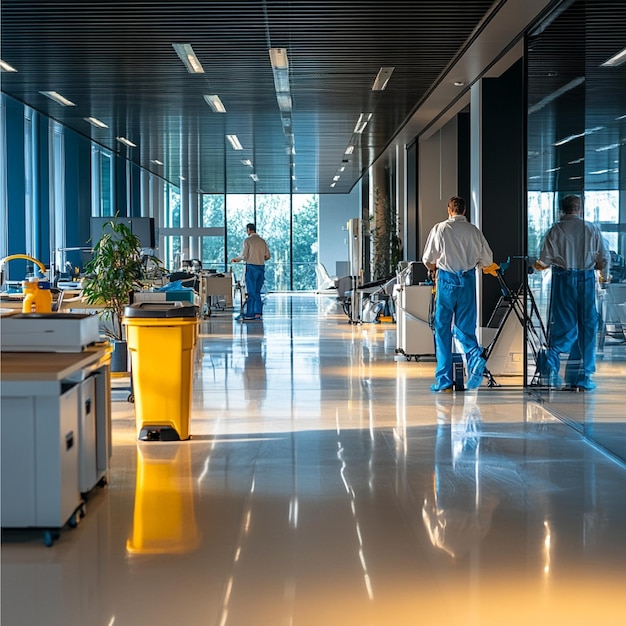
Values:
[(116, 62)]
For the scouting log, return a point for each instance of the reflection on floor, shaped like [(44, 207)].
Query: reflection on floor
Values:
[(325, 485)]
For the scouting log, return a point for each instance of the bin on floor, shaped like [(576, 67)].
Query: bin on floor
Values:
[(161, 337)]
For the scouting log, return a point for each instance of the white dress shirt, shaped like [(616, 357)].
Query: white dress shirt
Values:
[(457, 246), (574, 244)]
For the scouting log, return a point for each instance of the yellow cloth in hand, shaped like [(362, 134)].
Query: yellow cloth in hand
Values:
[(491, 269)]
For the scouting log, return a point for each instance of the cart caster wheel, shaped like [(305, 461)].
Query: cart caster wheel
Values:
[(103, 482), (82, 511), (73, 521), (49, 537), (131, 397)]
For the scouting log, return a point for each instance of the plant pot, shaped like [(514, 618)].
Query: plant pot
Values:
[(119, 357)]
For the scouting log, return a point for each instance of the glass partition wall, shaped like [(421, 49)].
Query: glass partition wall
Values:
[(577, 147)]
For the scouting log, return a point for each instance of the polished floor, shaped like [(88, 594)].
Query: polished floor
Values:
[(325, 485)]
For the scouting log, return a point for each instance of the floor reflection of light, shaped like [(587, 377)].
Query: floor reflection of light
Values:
[(293, 513), (547, 544)]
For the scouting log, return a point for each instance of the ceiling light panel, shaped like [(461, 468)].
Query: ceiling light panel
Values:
[(58, 98), (616, 60), (188, 57), (94, 121), (215, 103), (382, 78), (278, 58), (364, 118), (284, 101), (126, 142), (234, 142), (6, 67)]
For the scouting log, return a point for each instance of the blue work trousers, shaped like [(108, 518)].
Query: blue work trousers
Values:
[(455, 314), (573, 325), (255, 277)]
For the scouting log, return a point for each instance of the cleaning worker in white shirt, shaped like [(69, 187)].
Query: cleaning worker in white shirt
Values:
[(455, 248), (255, 253), (575, 249)]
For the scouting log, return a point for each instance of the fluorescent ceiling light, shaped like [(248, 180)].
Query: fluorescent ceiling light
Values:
[(332, 184), (254, 177), (553, 169), (57, 97), (616, 60), (565, 140), (94, 121), (609, 147), (182, 178), (342, 168), (126, 142), (284, 101), (336, 178), (215, 103), (247, 162), (349, 149), (234, 142), (382, 78), (5, 67), (364, 118), (281, 81), (156, 162), (459, 83), (587, 131), (556, 94), (188, 57), (278, 58)]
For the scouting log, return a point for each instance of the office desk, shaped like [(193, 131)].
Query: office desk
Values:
[(56, 434)]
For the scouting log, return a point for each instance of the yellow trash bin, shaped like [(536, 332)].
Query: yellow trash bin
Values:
[(161, 337)]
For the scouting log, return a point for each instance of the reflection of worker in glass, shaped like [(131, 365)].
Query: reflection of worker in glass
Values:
[(457, 512), (455, 248), (255, 253), (574, 248)]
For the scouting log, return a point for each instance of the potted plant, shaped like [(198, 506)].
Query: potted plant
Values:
[(114, 272)]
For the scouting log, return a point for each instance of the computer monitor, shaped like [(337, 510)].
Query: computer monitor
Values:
[(142, 227)]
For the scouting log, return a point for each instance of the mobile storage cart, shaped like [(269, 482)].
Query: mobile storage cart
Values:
[(161, 337), (53, 448)]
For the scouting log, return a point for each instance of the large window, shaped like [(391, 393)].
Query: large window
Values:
[(213, 217), (273, 219), (305, 244), (289, 224)]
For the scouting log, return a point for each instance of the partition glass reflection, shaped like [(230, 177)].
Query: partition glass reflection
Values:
[(577, 146)]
